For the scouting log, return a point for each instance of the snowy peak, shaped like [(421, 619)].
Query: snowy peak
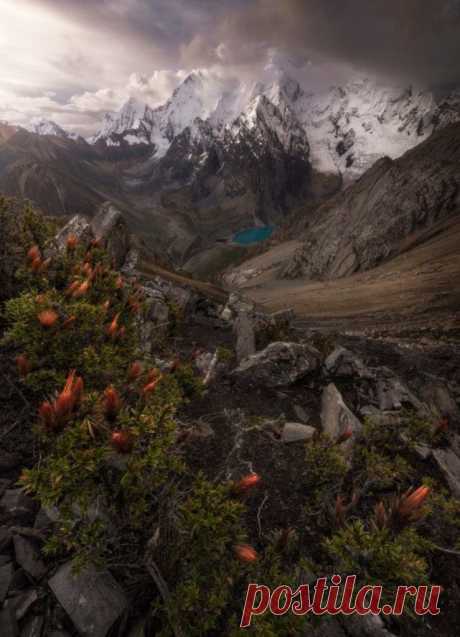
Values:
[(42, 126), (344, 129)]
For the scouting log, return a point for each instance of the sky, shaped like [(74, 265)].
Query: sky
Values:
[(73, 60)]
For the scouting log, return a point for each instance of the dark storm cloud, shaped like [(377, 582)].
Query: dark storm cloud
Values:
[(416, 39)]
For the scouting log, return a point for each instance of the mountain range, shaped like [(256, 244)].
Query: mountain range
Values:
[(215, 159)]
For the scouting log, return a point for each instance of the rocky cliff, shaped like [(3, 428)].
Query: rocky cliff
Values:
[(388, 209)]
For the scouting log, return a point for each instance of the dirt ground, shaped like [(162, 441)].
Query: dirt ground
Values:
[(419, 288)]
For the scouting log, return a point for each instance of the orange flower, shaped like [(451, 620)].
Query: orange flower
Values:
[(112, 403), (71, 288), (119, 283), (72, 242), (134, 371), (87, 269), (96, 243), (246, 483), (47, 415), (81, 290), (34, 253), (412, 501), (67, 399), (47, 318), (245, 553), (23, 365), (36, 264), (112, 329), (150, 387), (122, 441)]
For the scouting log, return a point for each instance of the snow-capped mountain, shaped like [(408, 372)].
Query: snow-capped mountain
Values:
[(42, 126), (346, 128)]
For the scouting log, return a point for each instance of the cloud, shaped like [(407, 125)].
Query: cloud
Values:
[(74, 59)]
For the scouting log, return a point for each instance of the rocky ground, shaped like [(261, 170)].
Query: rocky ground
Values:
[(271, 382)]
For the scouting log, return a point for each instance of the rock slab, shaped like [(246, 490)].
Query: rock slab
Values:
[(92, 599)]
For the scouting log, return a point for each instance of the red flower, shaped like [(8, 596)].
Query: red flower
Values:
[(47, 415), (72, 242), (112, 329), (122, 441), (112, 403), (247, 483), (34, 253), (47, 318), (150, 387), (412, 501), (36, 264), (134, 371), (68, 397), (81, 290), (23, 365), (344, 436), (245, 553)]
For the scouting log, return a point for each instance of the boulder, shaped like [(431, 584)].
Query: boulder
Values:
[(92, 599), (6, 575), (343, 363), (109, 226), (336, 418), (20, 507), (78, 227), (28, 556), (393, 394), (449, 464), (278, 365), (295, 432), (245, 337), (33, 627), (8, 624)]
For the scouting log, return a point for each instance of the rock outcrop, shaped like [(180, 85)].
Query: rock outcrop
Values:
[(391, 207)]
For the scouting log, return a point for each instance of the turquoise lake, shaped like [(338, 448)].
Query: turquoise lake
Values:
[(253, 235)]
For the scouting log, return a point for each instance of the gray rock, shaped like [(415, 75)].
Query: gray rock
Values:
[(366, 626), (4, 559), (23, 602), (393, 394), (449, 464), (295, 431), (92, 599), (6, 575), (278, 365), (226, 314), (33, 627), (438, 397), (8, 624), (78, 227), (343, 363), (368, 222), (245, 337), (300, 413), (28, 556), (19, 506), (336, 417), (5, 537), (109, 226)]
